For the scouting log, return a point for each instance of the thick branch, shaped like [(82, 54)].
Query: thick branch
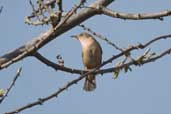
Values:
[(38, 42), (131, 16)]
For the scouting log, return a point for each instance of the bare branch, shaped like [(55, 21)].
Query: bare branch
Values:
[(131, 48), (38, 42), (101, 37), (40, 101), (72, 19), (131, 16), (57, 66), (77, 71), (69, 14), (47, 3), (53, 17), (135, 62), (11, 85)]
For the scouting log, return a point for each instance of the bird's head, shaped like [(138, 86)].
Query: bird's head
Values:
[(82, 36)]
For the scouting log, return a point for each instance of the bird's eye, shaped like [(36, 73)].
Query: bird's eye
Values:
[(81, 35), (88, 35)]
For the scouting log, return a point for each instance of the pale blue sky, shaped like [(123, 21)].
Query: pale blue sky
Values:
[(145, 90)]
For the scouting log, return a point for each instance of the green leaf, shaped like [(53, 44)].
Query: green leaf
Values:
[(2, 92), (116, 73), (58, 1)]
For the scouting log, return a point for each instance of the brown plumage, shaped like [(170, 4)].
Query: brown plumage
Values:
[(91, 56)]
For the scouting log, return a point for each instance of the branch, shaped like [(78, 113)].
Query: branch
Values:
[(131, 16), (56, 66), (136, 47), (31, 47), (135, 62), (40, 101), (100, 36), (1, 8), (70, 13), (77, 71), (12, 84), (53, 17), (47, 3)]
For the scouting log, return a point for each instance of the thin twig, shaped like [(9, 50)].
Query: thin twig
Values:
[(100, 36), (60, 9), (34, 10), (47, 3), (1, 8), (69, 14), (12, 84)]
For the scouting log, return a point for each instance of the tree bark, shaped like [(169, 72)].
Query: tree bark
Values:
[(31, 47)]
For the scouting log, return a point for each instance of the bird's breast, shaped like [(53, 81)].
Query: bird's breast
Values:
[(91, 56)]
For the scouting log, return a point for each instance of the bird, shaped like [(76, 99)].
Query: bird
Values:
[(91, 57)]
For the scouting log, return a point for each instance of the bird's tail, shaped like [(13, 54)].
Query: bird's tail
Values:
[(90, 83)]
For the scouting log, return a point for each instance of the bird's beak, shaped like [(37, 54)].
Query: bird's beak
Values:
[(74, 36)]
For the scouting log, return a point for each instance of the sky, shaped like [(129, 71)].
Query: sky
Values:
[(145, 90)]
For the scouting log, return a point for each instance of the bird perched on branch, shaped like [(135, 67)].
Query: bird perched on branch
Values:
[(91, 57)]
